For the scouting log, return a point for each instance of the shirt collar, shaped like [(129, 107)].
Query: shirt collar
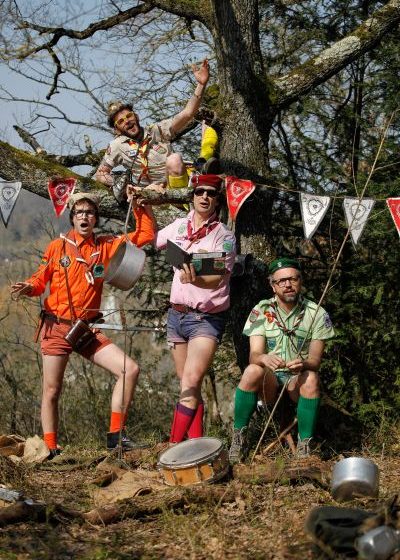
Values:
[(213, 218)]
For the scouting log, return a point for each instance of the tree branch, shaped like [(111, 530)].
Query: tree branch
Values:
[(59, 32), (329, 62)]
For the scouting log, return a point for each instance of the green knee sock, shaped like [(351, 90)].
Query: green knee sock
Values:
[(245, 405), (307, 413)]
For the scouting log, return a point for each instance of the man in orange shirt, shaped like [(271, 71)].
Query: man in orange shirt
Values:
[(75, 263)]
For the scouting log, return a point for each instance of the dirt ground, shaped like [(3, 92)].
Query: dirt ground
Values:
[(232, 519)]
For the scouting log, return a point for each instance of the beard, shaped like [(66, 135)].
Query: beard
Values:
[(290, 298)]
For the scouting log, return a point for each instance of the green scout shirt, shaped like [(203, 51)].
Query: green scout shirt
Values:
[(260, 322)]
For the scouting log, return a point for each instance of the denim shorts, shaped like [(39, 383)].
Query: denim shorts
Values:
[(182, 327)]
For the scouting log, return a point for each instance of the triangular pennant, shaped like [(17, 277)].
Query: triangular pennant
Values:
[(60, 190), (237, 191), (356, 212), (313, 209), (394, 207), (9, 191)]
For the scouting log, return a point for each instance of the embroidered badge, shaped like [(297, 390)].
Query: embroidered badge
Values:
[(219, 264), (182, 229), (160, 149), (227, 246), (271, 343), (254, 315), (98, 270), (65, 261), (43, 261), (268, 316), (327, 321), (131, 153)]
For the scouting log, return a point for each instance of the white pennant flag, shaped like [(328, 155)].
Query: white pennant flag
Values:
[(356, 212), (9, 191), (313, 209)]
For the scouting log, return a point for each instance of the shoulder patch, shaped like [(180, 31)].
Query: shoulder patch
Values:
[(268, 315), (227, 245), (254, 314)]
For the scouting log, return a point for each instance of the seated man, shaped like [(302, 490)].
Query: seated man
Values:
[(287, 338), (147, 152)]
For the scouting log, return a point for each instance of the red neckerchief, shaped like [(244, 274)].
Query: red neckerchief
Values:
[(204, 230), (279, 322), (71, 239)]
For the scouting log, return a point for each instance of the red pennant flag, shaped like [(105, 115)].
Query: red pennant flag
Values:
[(394, 207), (237, 191), (60, 190)]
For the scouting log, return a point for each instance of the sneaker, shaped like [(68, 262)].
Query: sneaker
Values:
[(127, 444), (238, 449), (53, 453), (303, 448), (210, 166)]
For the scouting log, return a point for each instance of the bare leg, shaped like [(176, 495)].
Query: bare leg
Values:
[(179, 355), (53, 375), (111, 358), (200, 353)]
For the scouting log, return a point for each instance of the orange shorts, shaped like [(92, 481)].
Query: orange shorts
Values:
[(53, 343)]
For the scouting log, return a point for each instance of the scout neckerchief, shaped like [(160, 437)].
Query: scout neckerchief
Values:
[(142, 149), (70, 238), (280, 323), (204, 230)]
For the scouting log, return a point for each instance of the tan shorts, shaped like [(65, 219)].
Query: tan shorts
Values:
[(53, 343)]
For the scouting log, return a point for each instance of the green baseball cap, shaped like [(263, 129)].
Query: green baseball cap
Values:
[(283, 262)]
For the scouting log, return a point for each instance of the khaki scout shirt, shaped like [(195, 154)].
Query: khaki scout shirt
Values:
[(260, 322), (121, 152)]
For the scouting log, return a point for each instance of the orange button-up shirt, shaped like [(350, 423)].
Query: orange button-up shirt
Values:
[(86, 297)]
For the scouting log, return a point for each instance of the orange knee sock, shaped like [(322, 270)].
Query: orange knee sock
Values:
[(50, 439), (116, 419)]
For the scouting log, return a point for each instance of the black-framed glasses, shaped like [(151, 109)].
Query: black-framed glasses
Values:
[(84, 213), (282, 282), (201, 191)]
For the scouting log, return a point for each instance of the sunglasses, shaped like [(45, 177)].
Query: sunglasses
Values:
[(121, 120), (200, 192)]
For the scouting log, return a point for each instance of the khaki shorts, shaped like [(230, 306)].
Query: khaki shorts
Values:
[(53, 343)]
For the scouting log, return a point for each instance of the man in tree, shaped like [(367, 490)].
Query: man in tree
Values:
[(197, 316), (147, 152), (287, 338), (74, 266)]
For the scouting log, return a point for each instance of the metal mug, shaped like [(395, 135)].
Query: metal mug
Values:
[(355, 476)]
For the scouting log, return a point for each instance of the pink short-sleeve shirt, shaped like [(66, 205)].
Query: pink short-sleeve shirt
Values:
[(218, 239)]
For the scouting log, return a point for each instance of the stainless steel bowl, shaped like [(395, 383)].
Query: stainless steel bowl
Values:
[(355, 477)]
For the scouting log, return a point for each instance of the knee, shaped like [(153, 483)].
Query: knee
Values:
[(51, 393), (192, 379), (132, 370), (309, 384), (251, 378), (175, 165)]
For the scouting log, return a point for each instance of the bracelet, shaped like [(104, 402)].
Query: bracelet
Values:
[(197, 95)]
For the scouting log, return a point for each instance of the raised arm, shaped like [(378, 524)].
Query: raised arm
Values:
[(182, 119)]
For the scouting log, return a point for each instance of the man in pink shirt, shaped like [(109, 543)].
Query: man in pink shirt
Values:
[(197, 316)]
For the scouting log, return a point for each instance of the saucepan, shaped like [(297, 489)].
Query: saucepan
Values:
[(355, 476), (127, 263)]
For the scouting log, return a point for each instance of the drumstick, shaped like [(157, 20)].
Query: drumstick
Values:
[(283, 434)]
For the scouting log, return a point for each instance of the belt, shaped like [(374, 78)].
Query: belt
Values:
[(184, 308), (56, 318)]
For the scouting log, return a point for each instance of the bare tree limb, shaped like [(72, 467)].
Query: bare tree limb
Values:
[(329, 62)]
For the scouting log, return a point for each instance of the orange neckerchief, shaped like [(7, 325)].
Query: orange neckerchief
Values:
[(142, 149)]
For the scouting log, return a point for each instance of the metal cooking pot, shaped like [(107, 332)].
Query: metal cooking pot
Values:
[(355, 476), (127, 263)]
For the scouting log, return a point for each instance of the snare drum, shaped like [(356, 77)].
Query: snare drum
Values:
[(194, 461)]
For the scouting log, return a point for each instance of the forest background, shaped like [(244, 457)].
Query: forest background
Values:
[(303, 95)]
